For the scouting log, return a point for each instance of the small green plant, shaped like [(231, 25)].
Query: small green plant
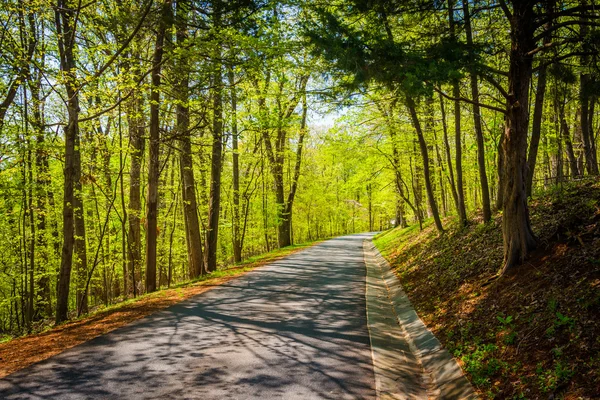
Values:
[(552, 305), (563, 320), (560, 322), (505, 321), (507, 327), (481, 364), (550, 380)]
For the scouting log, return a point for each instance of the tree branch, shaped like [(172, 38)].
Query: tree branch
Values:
[(469, 101)]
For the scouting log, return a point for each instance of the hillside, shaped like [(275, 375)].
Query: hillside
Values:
[(533, 334)]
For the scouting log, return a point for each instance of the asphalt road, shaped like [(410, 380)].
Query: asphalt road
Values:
[(295, 329)]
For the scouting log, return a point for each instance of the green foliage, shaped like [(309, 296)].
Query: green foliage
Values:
[(481, 363), (551, 379)]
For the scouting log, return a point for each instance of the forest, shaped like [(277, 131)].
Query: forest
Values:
[(147, 143)]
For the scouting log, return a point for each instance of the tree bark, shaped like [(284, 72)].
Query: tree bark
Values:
[(134, 238), (538, 110), (294, 185), (425, 156), (400, 197), (276, 155), (536, 128), (448, 156), (518, 236), (188, 187), (43, 304), (485, 190), (564, 127), (460, 192), (80, 247), (153, 162), (65, 26), (587, 136), (214, 203), (237, 244), (500, 191)]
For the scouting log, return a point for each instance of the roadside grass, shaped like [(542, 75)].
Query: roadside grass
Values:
[(532, 334), (20, 352)]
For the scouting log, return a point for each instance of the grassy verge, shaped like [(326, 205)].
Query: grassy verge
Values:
[(21, 352), (533, 334)]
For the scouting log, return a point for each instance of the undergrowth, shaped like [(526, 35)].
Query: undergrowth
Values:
[(532, 334)]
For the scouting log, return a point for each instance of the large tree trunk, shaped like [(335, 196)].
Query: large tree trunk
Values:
[(425, 156), (214, 204), (485, 190), (66, 32), (188, 187), (517, 234), (153, 162)]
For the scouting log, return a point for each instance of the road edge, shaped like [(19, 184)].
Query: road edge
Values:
[(444, 377)]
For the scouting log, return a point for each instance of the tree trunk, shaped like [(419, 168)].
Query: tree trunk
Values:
[(536, 128), (593, 137), (425, 156), (276, 155), (80, 237), (214, 204), (485, 190), (500, 191), (564, 127), (294, 184), (587, 136), (188, 187), (153, 162), (66, 41), (586, 132), (43, 304), (517, 234), (134, 239), (449, 156), (237, 244), (400, 219), (460, 193)]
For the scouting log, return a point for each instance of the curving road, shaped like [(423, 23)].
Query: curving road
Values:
[(295, 329)]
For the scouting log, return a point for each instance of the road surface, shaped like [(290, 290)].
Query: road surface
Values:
[(295, 329)]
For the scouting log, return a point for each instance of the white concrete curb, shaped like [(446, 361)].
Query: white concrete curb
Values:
[(441, 374)]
